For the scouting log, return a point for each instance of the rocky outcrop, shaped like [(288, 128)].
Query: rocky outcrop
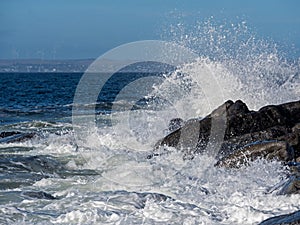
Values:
[(288, 219), (39, 195), (271, 132)]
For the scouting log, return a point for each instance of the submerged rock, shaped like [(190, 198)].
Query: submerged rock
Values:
[(272, 132), (39, 195)]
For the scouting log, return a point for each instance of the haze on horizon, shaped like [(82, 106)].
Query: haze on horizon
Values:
[(77, 29)]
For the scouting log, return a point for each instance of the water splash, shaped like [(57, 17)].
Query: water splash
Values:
[(248, 67), (129, 188)]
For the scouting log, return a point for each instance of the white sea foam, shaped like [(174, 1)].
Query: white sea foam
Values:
[(127, 189)]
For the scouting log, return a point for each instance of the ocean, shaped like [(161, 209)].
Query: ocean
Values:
[(50, 176)]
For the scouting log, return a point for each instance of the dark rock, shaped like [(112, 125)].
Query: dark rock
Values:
[(238, 107), (194, 134), (236, 143), (275, 125), (292, 218), (266, 117), (294, 140), (39, 195), (279, 150), (291, 185)]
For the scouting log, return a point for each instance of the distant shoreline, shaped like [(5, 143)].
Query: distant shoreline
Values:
[(80, 66), (57, 66), (44, 66)]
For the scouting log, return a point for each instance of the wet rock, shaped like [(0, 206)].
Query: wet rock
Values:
[(292, 218), (279, 150), (290, 185), (194, 134), (237, 143), (39, 195), (271, 132), (294, 139), (238, 107)]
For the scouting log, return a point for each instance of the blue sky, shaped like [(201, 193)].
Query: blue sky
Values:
[(76, 29)]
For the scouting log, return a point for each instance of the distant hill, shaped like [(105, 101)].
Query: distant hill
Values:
[(78, 65), (38, 65)]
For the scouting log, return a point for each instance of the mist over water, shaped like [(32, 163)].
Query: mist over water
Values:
[(128, 188)]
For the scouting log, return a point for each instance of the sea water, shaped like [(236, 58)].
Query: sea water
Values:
[(108, 178)]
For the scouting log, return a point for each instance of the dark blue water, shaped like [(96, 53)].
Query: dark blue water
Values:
[(35, 96), (49, 96), (46, 177), (34, 106)]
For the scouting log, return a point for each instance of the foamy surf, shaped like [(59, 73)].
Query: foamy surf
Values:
[(107, 178)]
